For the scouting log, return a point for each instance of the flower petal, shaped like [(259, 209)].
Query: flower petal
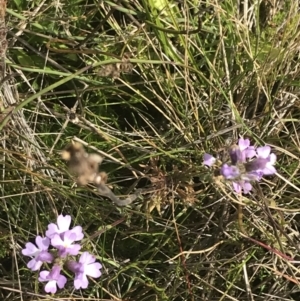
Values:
[(237, 187), (34, 265), (45, 256), (263, 151), (71, 250), (208, 160), (273, 159), (78, 232), (30, 249), (269, 170), (42, 242), (63, 222), (44, 276), (50, 287), (87, 258), (243, 143), (247, 187), (229, 171), (61, 281), (81, 281), (56, 241), (93, 270), (250, 152), (69, 237), (52, 230)]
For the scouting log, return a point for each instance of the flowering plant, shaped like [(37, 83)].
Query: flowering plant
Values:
[(62, 255), (248, 164)]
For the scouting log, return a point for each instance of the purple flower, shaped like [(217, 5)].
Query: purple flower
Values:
[(229, 172), (247, 165), (241, 152), (208, 160), (64, 243), (63, 225), (54, 279), (85, 267), (242, 186), (264, 162), (244, 145), (40, 254)]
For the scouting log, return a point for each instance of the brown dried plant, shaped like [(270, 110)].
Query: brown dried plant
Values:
[(115, 70), (86, 168)]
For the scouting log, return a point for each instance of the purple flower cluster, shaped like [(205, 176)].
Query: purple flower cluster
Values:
[(62, 255), (248, 164)]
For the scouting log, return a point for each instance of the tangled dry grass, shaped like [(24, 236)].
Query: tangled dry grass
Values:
[(151, 86)]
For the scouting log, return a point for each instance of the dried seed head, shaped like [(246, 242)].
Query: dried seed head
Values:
[(81, 164)]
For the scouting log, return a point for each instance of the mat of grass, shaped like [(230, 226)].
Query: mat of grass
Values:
[(152, 86)]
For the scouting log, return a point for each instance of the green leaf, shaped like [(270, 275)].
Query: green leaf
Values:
[(24, 59), (18, 4)]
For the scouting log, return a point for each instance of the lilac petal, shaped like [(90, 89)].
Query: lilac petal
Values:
[(63, 241), (78, 232), (40, 254), (86, 258), (93, 270), (238, 156), (71, 250), (273, 158), (42, 242), (64, 222), (243, 143), (85, 266), (52, 230), (208, 160), (269, 170), (50, 287), (54, 279), (247, 187), (246, 150), (55, 275), (262, 165), (81, 281), (34, 265), (229, 171), (57, 241), (63, 225), (69, 236), (61, 281), (242, 186), (43, 276), (65, 244), (45, 256), (264, 151), (250, 152), (237, 187), (75, 250), (30, 249), (55, 272)]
